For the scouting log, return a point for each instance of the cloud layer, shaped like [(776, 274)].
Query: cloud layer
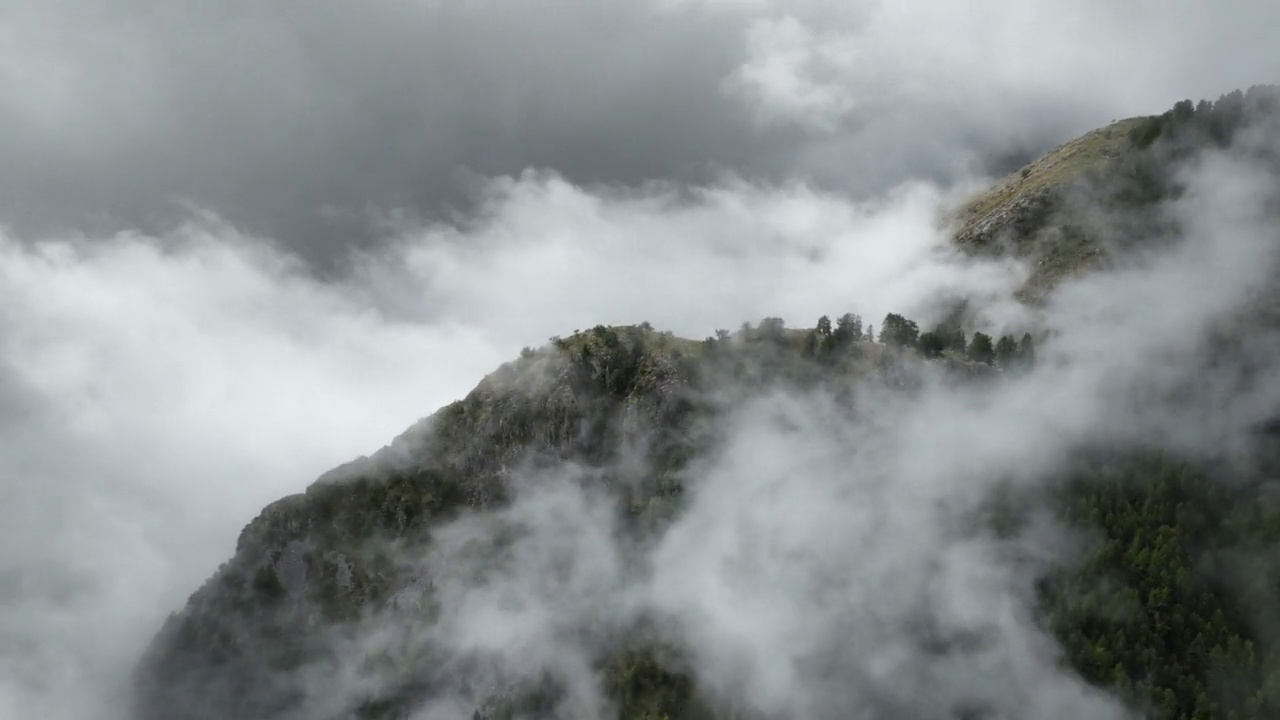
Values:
[(176, 173), (303, 124), (196, 376), (162, 389), (826, 562)]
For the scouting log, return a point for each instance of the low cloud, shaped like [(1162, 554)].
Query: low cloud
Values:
[(160, 390), (827, 560), (161, 386), (543, 251)]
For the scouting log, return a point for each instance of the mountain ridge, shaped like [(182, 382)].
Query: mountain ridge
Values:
[(631, 407)]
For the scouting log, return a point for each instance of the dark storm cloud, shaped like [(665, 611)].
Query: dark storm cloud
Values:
[(308, 122), (299, 119)]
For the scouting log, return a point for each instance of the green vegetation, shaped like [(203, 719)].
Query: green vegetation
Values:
[(644, 684), (1092, 199), (583, 398), (1172, 604), (1006, 352), (981, 350), (899, 331)]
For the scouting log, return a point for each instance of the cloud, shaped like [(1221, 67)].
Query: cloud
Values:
[(783, 75), (161, 389), (543, 251), (166, 372), (827, 561), (823, 554), (302, 123), (159, 392), (822, 560), (821, 570)]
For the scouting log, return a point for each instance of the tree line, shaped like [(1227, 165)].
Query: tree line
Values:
[(1006, 352), (828, 338)]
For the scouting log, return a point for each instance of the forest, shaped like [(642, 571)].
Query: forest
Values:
[(1175, 604)]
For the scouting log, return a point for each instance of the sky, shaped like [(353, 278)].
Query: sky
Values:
[(310, 125), (243, 243)]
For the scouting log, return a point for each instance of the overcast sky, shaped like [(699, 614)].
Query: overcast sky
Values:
[(306, 122), (248, 241)]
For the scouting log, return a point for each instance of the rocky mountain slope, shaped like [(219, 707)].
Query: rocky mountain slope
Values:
[(327, 606)]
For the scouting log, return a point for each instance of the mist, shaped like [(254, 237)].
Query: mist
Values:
[(827, 562), (164, 389), (242, 246)]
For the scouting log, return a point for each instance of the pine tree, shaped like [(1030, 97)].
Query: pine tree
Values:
[(771, 328), (931, 345), (980, 349), (1027, 352), (898, 331), (848, 328), (1007, 352), (811, 344)]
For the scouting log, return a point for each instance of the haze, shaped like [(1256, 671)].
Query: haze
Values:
[(246, 242)]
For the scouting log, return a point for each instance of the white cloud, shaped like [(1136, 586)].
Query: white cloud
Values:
[(795, 76), (157, 391), (547, 253), (826, 561), (163, 389), (160, 392)]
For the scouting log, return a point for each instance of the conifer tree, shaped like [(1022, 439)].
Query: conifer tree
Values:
[(1007, 352), (981, 349), (898, 331), (848, 329), (931, 344), (1027, 352)]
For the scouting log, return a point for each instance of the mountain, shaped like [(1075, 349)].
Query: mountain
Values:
[(309, 562), (1023, 214), (1091, 199), (344, 601)]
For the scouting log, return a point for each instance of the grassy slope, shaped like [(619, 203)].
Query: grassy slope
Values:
[(1028, 215)]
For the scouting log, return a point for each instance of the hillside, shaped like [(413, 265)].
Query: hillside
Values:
[(344, 601), (1022, 213), (1087, 200), (309, 561)]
